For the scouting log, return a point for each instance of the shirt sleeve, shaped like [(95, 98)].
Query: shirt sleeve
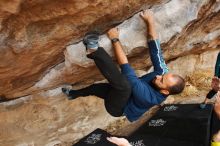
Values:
[(129, 72), (142, 92), (157, 57)]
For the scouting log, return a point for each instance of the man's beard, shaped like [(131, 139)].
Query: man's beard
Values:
[(153, 83)]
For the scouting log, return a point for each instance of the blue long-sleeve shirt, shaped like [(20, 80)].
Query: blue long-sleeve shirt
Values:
[(144, 95)]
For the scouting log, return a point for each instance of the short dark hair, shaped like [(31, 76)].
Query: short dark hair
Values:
[(178, 87)]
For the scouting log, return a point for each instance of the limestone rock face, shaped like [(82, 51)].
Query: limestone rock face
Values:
[(41, 51), (34, 34), (35, 37)]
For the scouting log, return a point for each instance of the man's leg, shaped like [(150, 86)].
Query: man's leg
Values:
[(119, 88), (116, 93), (99, 90), (108, 68)]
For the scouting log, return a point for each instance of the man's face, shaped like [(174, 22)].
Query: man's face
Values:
[(163, 82)]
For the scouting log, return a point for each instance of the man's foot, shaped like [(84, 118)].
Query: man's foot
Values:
[(91, 41), (67, 92)]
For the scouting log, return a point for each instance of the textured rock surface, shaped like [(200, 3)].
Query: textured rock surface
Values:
[(37, 58), (175, 29), (34, 34), (35, 121)]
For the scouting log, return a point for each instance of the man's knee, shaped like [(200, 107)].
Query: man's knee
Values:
[(115, 111)]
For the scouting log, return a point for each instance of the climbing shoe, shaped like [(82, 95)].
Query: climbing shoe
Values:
[(91, 40), (67, 92)]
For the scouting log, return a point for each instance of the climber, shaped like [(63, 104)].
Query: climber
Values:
[(126, 94), (215, 92), (215, 83)]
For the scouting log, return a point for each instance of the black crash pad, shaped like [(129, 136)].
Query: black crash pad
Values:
[(181, 125), (172, 125)]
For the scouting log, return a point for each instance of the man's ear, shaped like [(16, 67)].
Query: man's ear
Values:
[(166, 92)]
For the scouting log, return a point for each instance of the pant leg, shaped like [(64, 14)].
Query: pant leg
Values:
[(120, 90), (117, 92), (100, 90), (108, 68), (114, 99), (117, 100)]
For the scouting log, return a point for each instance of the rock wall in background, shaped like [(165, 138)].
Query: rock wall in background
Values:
[(41, 51), (34, 35)]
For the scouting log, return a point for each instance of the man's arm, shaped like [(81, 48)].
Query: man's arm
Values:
[(153, 43), (126, 69), (147, 16), (119, 52), (119, 141)]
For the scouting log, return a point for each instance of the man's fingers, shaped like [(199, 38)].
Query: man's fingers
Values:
[(110, 139), (113, 29), (149, 12), (143, 13), (113, 139), (146, 14), (117, 29)]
